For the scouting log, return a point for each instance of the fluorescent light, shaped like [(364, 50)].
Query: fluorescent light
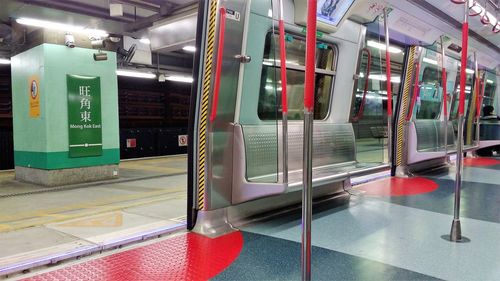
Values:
[(430, 61), (190, 49), (183, 79), (4, 61), (381, 46), (61, 26), (380, 77), (136, 74), (145, 41), (489, 81), (470, 71)]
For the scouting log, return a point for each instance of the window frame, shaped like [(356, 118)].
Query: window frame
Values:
[(276, 64)]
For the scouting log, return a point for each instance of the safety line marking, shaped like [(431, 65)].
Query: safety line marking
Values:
[(206, 86)]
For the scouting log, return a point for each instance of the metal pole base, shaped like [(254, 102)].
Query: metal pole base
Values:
[(456, 233)]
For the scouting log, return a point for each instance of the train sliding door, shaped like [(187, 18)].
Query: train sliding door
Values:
[(369, 108)]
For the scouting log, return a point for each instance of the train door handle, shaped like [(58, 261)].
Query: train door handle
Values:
[(243, 58)]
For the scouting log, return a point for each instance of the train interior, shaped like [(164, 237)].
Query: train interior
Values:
[(193, 167)]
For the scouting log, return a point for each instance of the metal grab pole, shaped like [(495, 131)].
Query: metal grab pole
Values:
[(389, 89), (445, 96), (456, 229), (308, 139), (478, 96), (284, 99)]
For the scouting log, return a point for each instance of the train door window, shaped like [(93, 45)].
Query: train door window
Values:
[(376, 93), (270, 84), (429, 99), (369, 102), (456, 93), (489, 92)]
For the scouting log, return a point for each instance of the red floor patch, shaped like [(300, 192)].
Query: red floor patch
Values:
[(481, 161), (185, 257), (394, 186)]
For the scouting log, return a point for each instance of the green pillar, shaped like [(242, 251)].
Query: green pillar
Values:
[(65, 108)]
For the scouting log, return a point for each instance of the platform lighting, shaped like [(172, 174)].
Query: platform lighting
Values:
[(381, 46), (430, 61), (62, 27), (182, 79), (381, 77), (145, 41), (136, 74), (469, 71), (489, 81), (190, 49), (4, 61)]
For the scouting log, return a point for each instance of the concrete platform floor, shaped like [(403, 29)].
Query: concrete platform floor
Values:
[(37, 223)]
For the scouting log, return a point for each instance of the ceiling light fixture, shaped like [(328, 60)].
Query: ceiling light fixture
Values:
[(469, 71), (183, 79), (190, 49), (135, 74), (4, 61), (489, 81), (381, 46), (62, 27), (145, 41)]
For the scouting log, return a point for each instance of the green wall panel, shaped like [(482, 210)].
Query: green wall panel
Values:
[(47, 135)]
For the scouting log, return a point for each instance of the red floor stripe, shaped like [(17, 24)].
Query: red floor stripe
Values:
[(394, 186), (480, 161), (185, 257)]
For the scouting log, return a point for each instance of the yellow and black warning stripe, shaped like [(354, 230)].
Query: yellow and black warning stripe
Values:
[(206, 86), (404, 107)]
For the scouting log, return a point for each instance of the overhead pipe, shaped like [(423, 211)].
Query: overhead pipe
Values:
[(389, 87), (456, 229), (359, 114), (308, 139), (284, 98), (218, 66), (444, 80)]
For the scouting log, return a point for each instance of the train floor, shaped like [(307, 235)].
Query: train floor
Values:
[(392, 229), (39, 224)]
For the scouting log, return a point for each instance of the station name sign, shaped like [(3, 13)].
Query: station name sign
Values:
[(84, 116)]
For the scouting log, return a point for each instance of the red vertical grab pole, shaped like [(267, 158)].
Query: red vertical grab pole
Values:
[(456, 228), (416, 91), (389, 87), (308, 139), (463, 67), (310, 55), (445, 96), (284, 98), (284, 102), (218, 67), (365, 90)]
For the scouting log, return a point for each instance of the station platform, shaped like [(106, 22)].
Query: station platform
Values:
[(388, 231), (40, 225)]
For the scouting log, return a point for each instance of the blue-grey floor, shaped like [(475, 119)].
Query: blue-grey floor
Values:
[(385, 238)]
